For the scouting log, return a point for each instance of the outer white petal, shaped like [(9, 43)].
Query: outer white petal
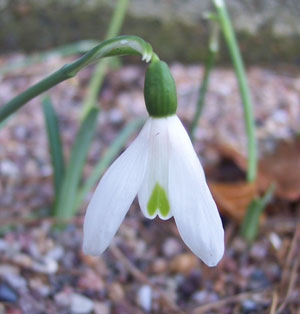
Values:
[(194, 209), (157, 166), (114, 195)]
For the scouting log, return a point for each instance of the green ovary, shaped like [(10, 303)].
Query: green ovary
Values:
[(158, 200)]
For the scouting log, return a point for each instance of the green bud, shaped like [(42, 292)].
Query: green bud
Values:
[(160, 90)]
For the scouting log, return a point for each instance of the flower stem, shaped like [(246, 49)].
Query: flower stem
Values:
[(98, 74), (237, 61), (117, 46), (212, 52)]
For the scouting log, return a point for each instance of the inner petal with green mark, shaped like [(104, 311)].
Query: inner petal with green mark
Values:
[(158, 200)]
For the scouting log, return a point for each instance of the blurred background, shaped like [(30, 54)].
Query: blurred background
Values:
[(148, 269)]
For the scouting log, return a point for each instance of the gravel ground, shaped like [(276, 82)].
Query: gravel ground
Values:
[(147, 269)]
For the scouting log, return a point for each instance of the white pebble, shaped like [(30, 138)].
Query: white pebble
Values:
[(144, 297), (81, 304)]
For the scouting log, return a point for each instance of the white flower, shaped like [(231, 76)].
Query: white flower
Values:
[(162, 168)]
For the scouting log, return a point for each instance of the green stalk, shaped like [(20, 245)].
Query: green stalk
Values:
[(250, 221), (118, 46), (236, 58), (212, 52), (98, 74)]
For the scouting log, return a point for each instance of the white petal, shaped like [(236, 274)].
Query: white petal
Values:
[(114, 195), (193, 207), (155, 183)]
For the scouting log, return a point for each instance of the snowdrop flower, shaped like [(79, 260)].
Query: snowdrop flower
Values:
[(163, 170)]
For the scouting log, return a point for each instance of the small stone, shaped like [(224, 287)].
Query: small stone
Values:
[(81, 304), (8, 269), (203, 297), (63, 299), (16, 281), (159, 266), (101, 308), (116, 292), (144, 297), (47, 266), (37, 285), (23, 260), (115, 115), (8, 169), (171, 247), (90, 280), (56, 253), (184, 263), (7, 294), (249, 306), (258, 251), (3, 245), (258, 280)]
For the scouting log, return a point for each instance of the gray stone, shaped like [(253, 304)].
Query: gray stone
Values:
[(7, 294)]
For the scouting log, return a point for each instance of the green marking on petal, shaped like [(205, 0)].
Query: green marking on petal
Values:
[(158, 200)]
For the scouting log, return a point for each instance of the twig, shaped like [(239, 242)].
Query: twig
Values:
[(274, 302), (293, 276), (33, 220), (141, 277), (236, 298)]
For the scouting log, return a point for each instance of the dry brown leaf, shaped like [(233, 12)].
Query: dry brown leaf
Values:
[(282, 167), (233, 198)]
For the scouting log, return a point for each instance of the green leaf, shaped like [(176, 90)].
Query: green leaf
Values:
[(65, 205), (250, 222), (111, 153), (54, 144)]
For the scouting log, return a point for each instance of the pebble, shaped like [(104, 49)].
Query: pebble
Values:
[(171, 247), (56, 253), (16, 281), (249, 306), (63, 298), (258, 251), (23, 260), (184, 263), (144, 297), (159, 266), (258, 280), (101, 308), (116, 292), (81, 304), (8, 169), (3, 245), (37, 285), (203, 297), (46, 266), (7, 294), (90, 280)]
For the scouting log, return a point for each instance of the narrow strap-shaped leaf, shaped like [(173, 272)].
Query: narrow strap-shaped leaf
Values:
[(67, 196), (54, 143), (250, 222), (110, 154)]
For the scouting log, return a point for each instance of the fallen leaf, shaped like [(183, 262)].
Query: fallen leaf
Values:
[(282, 167), (233, 198)]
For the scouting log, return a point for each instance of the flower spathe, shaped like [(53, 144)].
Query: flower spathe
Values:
[(162, 168)]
